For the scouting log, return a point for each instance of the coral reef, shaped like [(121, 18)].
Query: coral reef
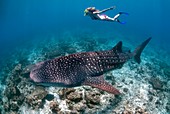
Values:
[(54, 106), (35, 99), (78, 100), (167, 71), (156, 83), (13, 98), (145, 88)]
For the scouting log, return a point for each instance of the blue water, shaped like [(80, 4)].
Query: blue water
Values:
[(21, 20), (24, 21), (27, 22)]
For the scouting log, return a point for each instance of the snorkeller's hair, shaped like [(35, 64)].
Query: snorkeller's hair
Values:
[(89, 9)]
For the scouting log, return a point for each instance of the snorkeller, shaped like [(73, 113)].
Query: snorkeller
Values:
[(96, 14)]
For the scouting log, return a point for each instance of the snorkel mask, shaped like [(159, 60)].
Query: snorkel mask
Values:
[(86, 11)]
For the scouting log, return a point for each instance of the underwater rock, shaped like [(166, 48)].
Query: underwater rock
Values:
[(156, 83), (16, 80), (167, 71), (150, 97), (14, 106), (1, 102), (74, 100), (64, 92), (140, 110), (158, 102), (11, 106), (70, 104), (10, 92), (14, 97), (35, 99), (152, 92), (140, 70), (80, 107), (6, 106), (20, 99), (54, 106), (79, 102), (149, 66), (125, 89), (127, 112), (26, 87), (17, 69), (77, 107), (110, 77), (75, 97), (15, 74), (49, 97), (168, 107), (132, 65), (12, 112), (14, 77), (92, 98)]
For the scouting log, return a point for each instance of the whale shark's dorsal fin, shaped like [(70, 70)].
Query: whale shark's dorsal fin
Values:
[(118, 47)]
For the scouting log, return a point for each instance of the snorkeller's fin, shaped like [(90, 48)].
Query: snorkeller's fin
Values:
[(122, 22), (124, 13)]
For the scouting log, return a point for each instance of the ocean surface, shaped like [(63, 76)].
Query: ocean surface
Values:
[(36, 30)]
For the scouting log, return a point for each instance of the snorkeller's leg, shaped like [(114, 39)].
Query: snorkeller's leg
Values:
[(117, 16)]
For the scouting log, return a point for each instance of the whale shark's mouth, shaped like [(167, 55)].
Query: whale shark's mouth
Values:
[(57, 84)]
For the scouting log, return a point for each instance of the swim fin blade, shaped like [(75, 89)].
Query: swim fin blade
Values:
[(124, 13), (121, 22)]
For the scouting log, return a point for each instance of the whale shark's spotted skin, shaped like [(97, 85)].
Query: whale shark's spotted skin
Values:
[(83, 68)]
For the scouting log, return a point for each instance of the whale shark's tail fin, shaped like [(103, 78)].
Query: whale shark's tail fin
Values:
[(137, 52)]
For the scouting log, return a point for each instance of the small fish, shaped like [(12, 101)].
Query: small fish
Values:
[(85, 68)]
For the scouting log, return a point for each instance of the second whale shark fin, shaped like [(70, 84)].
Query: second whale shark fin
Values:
[(100, 83)]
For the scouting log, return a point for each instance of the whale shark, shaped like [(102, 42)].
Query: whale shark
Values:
[(84, 68)]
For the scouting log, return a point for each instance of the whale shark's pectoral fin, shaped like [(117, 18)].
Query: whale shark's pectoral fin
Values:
[(99, 82)]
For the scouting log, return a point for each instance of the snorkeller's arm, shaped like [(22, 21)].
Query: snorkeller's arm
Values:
[(104, 10)]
